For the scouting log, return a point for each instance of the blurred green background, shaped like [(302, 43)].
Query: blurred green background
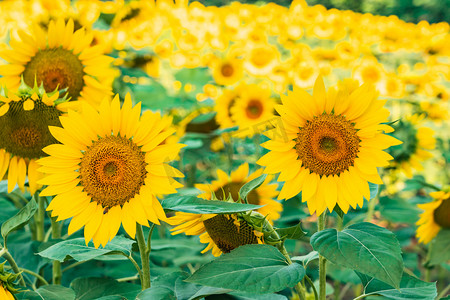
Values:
[(409, 10)]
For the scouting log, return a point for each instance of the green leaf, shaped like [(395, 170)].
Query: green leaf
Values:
[(306, 259), (293, 233), (363, 247), (77, 249), (20, 219), (48, 292), (440, 247), (250, 268), (250, 186), (90, 288), (192, 204), (410, 288), (398, 210)]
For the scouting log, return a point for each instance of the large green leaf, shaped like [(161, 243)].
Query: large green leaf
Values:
[(410, 288), (20, 219), (77, 249), (250, 268), (440, 249), (293, 232), (250, 186), (192, 204), (363, 247), (90, 288), (48, 292)]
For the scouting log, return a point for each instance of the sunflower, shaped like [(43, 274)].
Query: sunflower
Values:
[(224, 233), (60, 58), (109, 168), (223, 107), (418, 140), (227, 71), (5, 293), (436, 215), (24, 121), (252, 110), (329, 145)]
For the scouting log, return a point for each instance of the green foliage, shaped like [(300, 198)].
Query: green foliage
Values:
[(250, 186), (77, 249), (410, 288), (293, 233), (250, 268), (363, 247), (440, 248), (192, 204), (48, 292), (20, 219), (90, 288)]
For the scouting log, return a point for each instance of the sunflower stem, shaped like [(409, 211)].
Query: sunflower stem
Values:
[(145, 261), (56, 234), (322, 262), (42, 279), (316, 296), (427, 267), (371, 209), (39, 218), (6, 255)]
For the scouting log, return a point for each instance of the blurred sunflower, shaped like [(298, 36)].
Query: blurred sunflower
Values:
[(109, 168), (252, 110), (227, 71), (223, 107), (24, 121), (60, 58), (329, 145), (224, 233), (417, 140), (436, 215)]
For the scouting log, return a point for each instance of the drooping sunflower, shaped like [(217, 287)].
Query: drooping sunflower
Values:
[(417, 142), (59, 58), (252, 110), (329, 145), (224, 233), (436, 215), (109, 168), (24, 121)]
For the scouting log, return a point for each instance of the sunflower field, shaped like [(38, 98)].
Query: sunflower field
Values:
[(162, 149)]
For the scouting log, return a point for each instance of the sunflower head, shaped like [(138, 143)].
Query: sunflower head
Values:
[(418, 141), (24, 120), (109, 168), (328, 145), (436, 216)]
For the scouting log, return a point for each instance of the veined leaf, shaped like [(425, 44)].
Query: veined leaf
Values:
[(48, 292), (192, 204), (306, 259), (440, 249), (293, 232), (363, 247), (77, 249), (90, 288), (250, 268), (21, 218), (410, 288), (250, 186)]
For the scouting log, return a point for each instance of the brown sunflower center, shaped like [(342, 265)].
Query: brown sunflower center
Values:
[(113, 170), (56, 68), (233, 189), (254, 109), (442, 214), (227, 235), (25, 132), (227, 70), (327, 145)]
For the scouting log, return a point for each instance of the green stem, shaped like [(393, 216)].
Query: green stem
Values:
[(363, 296), (371, 209), (56, 234), (6, 255), (39, 218), (42, 279), (443, 292), (427, 267), (316, 296), (73, 265), (145, 261), (322, 262), (149, 238), (135, 264), (131, 278)]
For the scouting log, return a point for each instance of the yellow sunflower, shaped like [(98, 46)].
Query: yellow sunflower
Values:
[(417, 142), (109, 168), (223, 107), (5, 293), (59, 58), (227, 71), (24, 121), (329, 145), (224, 233), (253, 110), (436, 215)]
